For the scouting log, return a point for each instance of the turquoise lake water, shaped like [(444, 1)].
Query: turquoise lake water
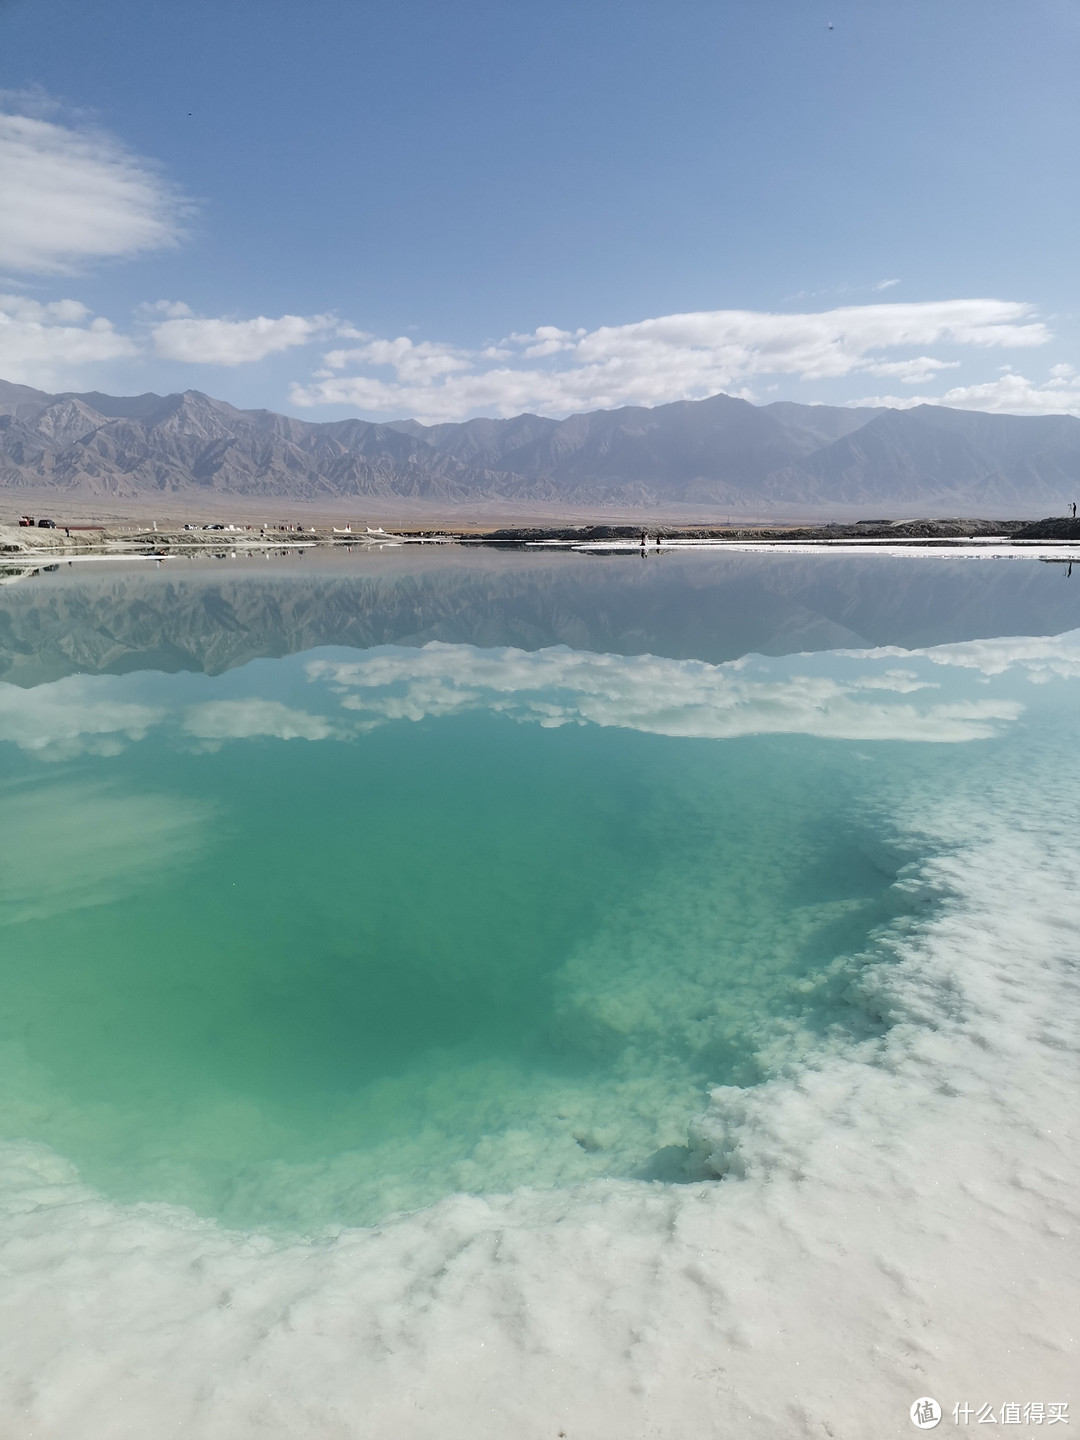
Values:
[(328, 935)]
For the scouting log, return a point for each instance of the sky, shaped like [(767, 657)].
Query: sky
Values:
[(447, 208)]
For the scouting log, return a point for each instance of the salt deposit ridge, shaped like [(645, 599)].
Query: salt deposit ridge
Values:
[(896, 1217)]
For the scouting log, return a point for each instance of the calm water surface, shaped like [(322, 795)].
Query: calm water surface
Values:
[(331, 886)]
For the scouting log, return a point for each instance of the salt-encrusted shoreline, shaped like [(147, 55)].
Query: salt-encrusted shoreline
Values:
[(170, 536), (24, 551)]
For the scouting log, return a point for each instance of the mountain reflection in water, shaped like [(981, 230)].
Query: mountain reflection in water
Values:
[(212, 616)]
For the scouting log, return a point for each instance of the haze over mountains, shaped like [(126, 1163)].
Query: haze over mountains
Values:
[(716, 455)]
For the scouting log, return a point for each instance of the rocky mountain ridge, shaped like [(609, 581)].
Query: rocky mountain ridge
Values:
[(710, 454)]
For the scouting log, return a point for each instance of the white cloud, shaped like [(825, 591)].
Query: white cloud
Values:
[(412, 363), (546, 340), (646, 693), (912, 372), (45, 344), (77, 195), (232, 342), (48, 344), (672, 357), (1009, 394), (1016, 395), (154, 311)]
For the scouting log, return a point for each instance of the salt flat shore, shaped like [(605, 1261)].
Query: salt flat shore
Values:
[(67, 540)]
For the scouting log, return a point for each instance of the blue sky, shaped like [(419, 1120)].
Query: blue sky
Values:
[(446, 209)]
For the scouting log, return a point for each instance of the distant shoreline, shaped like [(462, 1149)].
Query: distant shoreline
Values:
[(33, 546)]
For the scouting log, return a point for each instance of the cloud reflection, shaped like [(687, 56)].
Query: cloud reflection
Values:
[(657, 696), (73, 716), (884, 694), (219, 720)]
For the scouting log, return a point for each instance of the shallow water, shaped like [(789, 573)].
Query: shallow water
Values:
[(331, 935)]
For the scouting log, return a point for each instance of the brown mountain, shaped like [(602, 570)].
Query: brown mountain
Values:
[(720, 452)]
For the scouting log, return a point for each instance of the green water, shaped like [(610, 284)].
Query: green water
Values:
[(511, 940), (279, 980)]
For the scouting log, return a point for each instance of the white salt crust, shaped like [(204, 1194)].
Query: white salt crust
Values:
[(896, 1219)]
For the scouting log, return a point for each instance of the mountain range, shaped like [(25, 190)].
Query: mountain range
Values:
[(721, 453)]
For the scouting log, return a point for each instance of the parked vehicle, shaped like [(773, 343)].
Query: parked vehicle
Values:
[(46, 524)]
